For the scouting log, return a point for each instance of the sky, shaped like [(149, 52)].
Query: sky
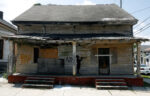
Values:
[(140, 9)]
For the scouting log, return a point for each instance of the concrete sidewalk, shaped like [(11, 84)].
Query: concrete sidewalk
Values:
[(147, 80), (3, 80), (7, 89), (67, 90)]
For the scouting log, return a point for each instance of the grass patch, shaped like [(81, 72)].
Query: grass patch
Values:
[(5, 75), (145, 76)]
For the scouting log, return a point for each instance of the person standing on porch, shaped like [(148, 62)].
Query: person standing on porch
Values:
[(79, 59)]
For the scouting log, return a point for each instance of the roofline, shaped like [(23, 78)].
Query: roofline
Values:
[(15, 30), (131, 22), (138, 39)]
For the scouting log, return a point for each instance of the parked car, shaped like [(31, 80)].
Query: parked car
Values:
[(143, 68)]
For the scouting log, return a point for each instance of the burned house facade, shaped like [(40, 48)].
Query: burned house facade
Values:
[(74, 40)]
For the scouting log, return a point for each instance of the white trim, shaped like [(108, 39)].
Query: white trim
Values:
[(110, 64)]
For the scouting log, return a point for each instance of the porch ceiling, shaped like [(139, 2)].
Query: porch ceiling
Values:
[(37, 39)]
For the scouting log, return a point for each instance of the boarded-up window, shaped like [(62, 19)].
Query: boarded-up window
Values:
[(48, 53), (1, 48)]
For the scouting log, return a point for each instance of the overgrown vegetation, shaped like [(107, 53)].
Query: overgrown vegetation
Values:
[(145, 83), (145, 76), (5, 75)]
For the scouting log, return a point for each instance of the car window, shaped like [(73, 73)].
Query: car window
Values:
[(143, 65), (134, 65)]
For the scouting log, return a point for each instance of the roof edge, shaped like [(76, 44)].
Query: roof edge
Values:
[(131, 22)]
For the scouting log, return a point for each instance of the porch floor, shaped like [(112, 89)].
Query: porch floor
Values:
[(95, 76), (132, 80)]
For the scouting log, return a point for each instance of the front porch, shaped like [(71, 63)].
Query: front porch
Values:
[(89, 56), (99, 58), (131, 80)]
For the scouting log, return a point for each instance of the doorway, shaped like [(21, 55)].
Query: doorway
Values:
[(104, 61)]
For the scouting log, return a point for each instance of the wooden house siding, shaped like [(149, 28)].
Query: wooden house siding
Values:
[(24, 62), (121, 59), (125, 30), (75, 39)]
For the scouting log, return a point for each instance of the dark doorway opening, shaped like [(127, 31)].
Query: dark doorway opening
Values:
[(1, 48), (36, 55), (104, 61)]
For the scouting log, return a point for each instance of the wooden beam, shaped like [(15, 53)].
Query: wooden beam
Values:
[(138, 58), (133, 59), (74, 58)]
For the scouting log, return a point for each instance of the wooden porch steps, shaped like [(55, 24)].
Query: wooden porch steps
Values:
[(111, 84), (38, 82)]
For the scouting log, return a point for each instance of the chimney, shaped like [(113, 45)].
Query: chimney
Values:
[(1, 14)]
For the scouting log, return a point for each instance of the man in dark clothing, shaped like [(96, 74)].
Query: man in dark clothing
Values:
[(79, 59)]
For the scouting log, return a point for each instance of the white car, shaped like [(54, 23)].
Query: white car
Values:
[(143, 68)]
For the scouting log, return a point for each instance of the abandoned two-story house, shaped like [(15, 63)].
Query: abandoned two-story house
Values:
[(75, 44), (5, 45)]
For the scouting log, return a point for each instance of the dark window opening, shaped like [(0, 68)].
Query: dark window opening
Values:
[(36, 55), (103, 51), (1, 48)]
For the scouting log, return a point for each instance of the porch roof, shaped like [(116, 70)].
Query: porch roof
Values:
[(40, 39)]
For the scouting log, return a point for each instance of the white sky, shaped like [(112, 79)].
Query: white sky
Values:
[(13, 8)]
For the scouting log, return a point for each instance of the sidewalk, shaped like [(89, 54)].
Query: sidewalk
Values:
[(7, 89), (147, 80), (3, 80), (68, 90)]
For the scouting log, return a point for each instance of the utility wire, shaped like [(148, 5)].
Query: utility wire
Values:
[(142, 29), (140, 10), (142, 22)]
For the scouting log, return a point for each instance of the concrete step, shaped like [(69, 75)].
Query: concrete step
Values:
[(111, 87), (111, 83), (40, 81), (110, 80), (39, 78), (37, 86)]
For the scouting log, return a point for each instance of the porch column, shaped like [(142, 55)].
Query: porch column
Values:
[(138, 58), (74, 58)]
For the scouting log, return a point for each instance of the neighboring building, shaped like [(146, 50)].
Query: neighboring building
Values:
[(71, 40), (145, 54), (5, 45)]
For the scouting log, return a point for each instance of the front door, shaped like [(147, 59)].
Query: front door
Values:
[(104, 61)]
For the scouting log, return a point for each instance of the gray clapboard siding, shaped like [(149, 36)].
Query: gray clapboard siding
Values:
[(78, 29)]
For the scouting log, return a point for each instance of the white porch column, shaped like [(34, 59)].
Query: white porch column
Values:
[(74, 58), (138, 58)]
